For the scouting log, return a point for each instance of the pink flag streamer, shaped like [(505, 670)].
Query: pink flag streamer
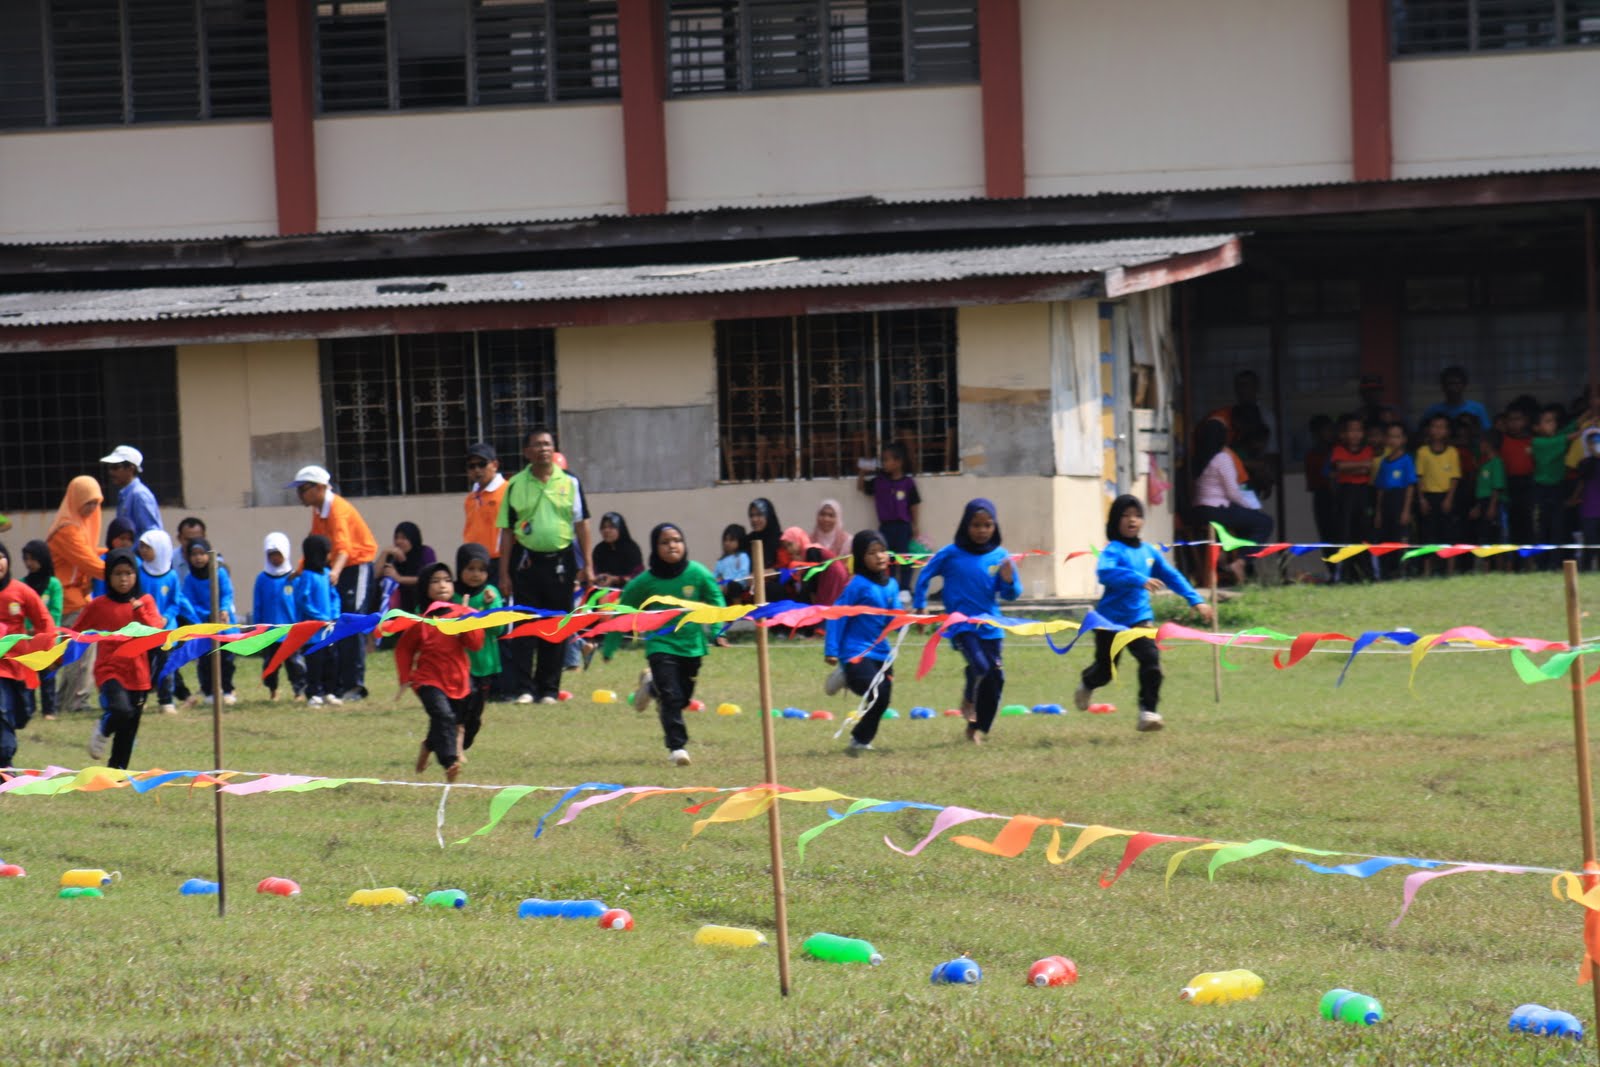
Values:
[(948, 818)]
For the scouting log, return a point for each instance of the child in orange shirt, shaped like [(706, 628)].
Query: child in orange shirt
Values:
[(124, 681), (435, 665)]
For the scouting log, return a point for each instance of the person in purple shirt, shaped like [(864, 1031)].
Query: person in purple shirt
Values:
[(135, 502), (894, 492)]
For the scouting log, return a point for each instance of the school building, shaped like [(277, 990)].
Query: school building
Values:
[(729, 248)]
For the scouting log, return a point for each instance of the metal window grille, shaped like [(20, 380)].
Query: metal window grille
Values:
[(60, 415), (743, 45), (807, 397), (400, 412), (1433, 27), (374, 55), (114, 62)]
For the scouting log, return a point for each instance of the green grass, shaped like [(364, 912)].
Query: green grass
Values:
[(1472, 765)]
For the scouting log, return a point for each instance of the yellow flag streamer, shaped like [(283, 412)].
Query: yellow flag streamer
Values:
[(1345, 553), (1209, 846), (753, 802), (45, 658), (1089, 836)]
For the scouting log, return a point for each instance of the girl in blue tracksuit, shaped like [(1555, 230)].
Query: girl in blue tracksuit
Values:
[(196, 607), (274, 606), (861, 635), (160, 581), (316, 599), (976, 569), (1131, 570)]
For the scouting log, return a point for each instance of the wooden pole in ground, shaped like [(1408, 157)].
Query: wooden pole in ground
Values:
[(780, 905), (1216, 650), (216, 734), (1580, 737)]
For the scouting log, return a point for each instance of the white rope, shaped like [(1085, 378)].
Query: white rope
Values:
[(870, 695)]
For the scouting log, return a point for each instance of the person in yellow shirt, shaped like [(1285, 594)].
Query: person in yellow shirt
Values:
[(1438, 476), (349, 567)]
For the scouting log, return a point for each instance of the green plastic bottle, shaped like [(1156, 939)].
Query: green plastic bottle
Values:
[(76, 892), (445, 898), (1348, 1007), (835, 949)]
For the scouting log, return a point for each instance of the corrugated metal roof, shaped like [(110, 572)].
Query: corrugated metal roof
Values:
[(221, 301)]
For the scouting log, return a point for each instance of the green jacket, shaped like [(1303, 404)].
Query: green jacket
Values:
[(695, 583), (486, 661)]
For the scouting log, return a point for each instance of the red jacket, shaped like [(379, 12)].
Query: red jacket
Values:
[(20, 605), (103, 613), (425, 656)]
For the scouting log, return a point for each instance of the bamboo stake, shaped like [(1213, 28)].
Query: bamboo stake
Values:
[(780, 905), (1216, 650), (216, 735), (1580, 738)]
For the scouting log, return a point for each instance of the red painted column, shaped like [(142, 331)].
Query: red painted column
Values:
[(1371, 140), (1000, 67), (290, 24), (642, 53)]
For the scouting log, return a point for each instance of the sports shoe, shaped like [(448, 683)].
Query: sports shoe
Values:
[(679, 758), (1148, 721), (644, 694), (525, 698), (169, 709), (332, 700), (97, 743), (313, 702), (229, 699), (547, 700), (835, 682), (1081, 696), (859, 746), (352, 695)]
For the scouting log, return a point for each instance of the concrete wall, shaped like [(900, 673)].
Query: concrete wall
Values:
[(1171, 94), (1003, 367), (793, 147), (208, 179), (1476, 113)]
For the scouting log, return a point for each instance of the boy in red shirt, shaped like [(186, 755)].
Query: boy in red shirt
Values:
[(435, 664), (1516, 452), (19, 606), (124, 681), (1350, 461)]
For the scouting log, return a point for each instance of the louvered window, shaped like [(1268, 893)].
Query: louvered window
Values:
[(381, 55), (113, 62), (1435, 27), (746, 45)]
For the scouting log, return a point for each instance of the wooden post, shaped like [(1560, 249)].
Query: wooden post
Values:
[(1580, 738), (1216, 650), (216, 734), (780, 905)]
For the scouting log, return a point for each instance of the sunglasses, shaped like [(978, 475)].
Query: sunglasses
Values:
[(476, 464)]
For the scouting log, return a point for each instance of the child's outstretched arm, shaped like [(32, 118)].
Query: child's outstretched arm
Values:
[(1008, 580), (931, 569), (1174, 580)]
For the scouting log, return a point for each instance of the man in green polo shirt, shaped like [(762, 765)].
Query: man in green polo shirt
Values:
[(540, 516)]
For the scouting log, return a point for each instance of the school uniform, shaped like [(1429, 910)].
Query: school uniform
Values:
[(21, 610), (1123, 570), (435, 665), (674, 653), (484, 663), (861, 636), (316, 600), (196, 607), (123, 681), (1437, 473)]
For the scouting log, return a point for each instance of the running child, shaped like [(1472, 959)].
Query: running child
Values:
[(41, 578), (316, 599), (1130, 571), (160, 582), (21, 610), (855, 645), (474, 589), (976, 569), (124, 681), (435, 665), (274, 606)]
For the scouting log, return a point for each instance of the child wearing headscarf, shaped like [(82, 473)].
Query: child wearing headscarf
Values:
[(1130, 571), (74, 540), (124, 681), (473, 588), (976, 569), (855, 642), (21, 610), (317, 600), (764, 528), (196, 607), (41, 578), (830, 535), (274, 606), (436, 666), (799, 556), (673, 652), (160, 582), (119, 534)]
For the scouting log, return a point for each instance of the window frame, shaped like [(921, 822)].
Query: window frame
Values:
[(1566, 19)]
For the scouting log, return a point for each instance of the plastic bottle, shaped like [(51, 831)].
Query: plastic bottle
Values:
[(890, 713), (728, 709), (730, 937), (959, 971), (81, 878), (1101, 709), (79, 892), (11, 870), (563, 695), (539, 908), (199, 887), (793, 713), (695, 705), (1047, 709), (616, 919), (1347, 1006), (1014, 709), (1221, 987), (1053, 971), (447, 899), (825, 716), (952, 713), (604, 696), (280, 887), (832, 948), (377, 898), (1538, 1019), (922, 713)]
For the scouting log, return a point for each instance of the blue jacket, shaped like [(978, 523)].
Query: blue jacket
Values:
[(166, 591), (972, 584), (1123, 570), (194, 604), (854, 635), (315, 598), (274, 599)]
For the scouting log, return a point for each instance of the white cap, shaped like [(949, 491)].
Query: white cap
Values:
[(310, 474), (125, 454)]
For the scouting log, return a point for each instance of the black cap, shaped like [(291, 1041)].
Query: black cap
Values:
[(483, 450)]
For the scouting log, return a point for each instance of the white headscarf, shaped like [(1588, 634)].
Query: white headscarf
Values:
[(279, 543), (161, 547)]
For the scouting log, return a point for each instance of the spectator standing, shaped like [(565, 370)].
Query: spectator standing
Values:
[(136, 504), (1516, 453), (1351, 462), (1453, 380), (1549, 482), (74, 540), (1439, 478), (897, 502), (1397, 487), (482, 505), (352, 551)]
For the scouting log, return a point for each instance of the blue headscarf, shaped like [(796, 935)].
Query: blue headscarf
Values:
[(966, 543)]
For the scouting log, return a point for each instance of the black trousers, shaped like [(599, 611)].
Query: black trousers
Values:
[(203, 668), (1098, 673), (673, 678), (859, 676), (356, 593), (321, 672), (124, 708), (1352, 503), (986, 676), (1518, 502), (1438, 527), (470, 711), (14, 715), (539, 580), (442, 723), (1549, 519), (296, 666)]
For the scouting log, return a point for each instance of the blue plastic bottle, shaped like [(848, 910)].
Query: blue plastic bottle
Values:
[(535, 908), (960, 971), (1047, 709), (1538, 1019), (921, 713), (796, 713), (196, 887)]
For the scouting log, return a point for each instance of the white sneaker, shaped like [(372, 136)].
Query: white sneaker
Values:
[(835, 682), (332, 701), (547, 700), (314, 702), (169, 709), (859, 746), (97, 743), (642, 698), (525, 698), (1080, 698), (229, 699), (679, 758), (1149, 720)]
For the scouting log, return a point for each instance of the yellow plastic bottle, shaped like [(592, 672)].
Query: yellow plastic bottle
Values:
[(604, 696), (729, 937), (728, 709), (377, 898), (1222, 987), (84, 879)]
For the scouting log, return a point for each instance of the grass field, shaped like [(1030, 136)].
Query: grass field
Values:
[(1471, 766)]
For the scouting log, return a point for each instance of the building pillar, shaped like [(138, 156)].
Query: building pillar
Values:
[(1000, 72), (1371, 137), (291, 77), (641, 44)]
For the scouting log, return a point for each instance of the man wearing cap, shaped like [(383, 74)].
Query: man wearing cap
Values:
[(136, 504), (349, 565), (482, 505)]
